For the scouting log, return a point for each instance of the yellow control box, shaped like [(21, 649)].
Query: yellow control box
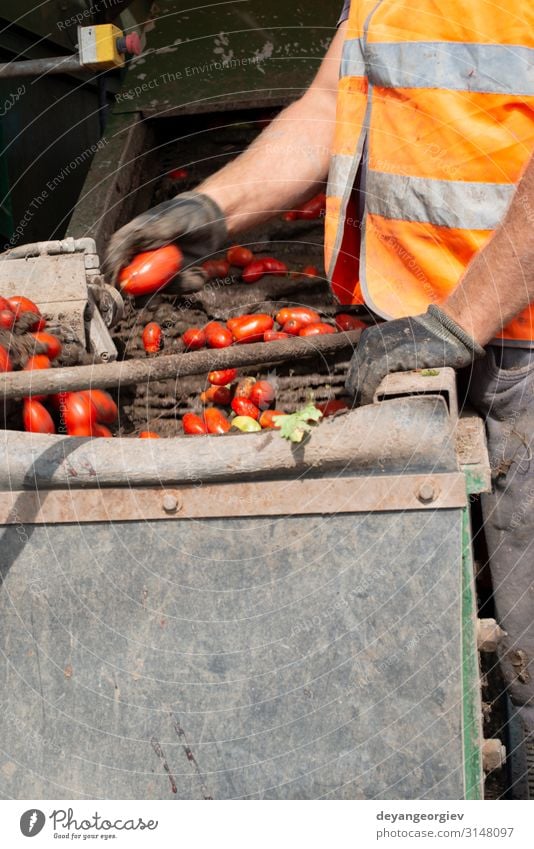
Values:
[(97, 47)]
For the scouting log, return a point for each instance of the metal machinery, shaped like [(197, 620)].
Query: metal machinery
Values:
[(303, 625)]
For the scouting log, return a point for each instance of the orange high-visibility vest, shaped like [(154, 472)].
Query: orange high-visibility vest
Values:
[(435, 119)]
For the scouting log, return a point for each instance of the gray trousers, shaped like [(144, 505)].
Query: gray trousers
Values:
[(502, 390)]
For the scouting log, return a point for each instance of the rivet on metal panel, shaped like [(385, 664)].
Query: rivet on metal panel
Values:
[(170, 503), (427, 492)]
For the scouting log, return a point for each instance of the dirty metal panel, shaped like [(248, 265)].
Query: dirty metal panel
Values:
[(437, 381), (228, 55), (57, 284), (301, 657), (472, 451), (268, 498)]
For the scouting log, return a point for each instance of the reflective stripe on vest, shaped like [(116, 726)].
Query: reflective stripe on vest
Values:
[(446, 104)]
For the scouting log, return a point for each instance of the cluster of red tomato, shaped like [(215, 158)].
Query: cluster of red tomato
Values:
[(84, 413), (249, 400), (251, 269), (11, 311), (150, 271), (260, 327), (77, 413)]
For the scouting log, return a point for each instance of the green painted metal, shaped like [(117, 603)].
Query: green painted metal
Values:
[(45, 20), (230, 54), (476, 481), (472, 709)]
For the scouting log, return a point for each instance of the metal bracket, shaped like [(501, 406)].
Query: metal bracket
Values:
[(297, 497), (439, 382), (71, 294)]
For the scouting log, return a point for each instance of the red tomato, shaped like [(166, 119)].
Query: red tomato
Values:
[(194, 338), (303, 314), (5, 305), (237, 255), (245, 407), (216, 268), (258, 267), (58, 400), (292, 327), (152, 338), (36, 418), (215, 421), (7, 319), (53, 345), (101, 430), (5, 362), (312, 208), (193, 424), (274, 336), (79, 413), (319, 329), (266, 418), (150, 271), (345, 321), (244, 387), (222, 378), (178, 173), (274, 266), (81, 430), (19, 304), (106, 408), (250, 328), (38, 361), (262, 394), (217, 335), (328, 408), (149, 434), (220, 395)]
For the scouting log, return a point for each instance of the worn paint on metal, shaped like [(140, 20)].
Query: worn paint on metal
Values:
[(227, 56), (471, 696)]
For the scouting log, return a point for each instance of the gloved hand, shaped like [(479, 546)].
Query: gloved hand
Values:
[(432, 340), (192, 220)]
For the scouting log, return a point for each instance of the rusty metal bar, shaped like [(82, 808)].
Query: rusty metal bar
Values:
[(36, 67), (20, 384), (311, 496)]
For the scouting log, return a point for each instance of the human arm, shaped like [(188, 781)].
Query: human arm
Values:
[(282, 166), (499, 282)]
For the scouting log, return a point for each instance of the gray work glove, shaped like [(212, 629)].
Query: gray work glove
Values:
[(432, 340), (192, 220)]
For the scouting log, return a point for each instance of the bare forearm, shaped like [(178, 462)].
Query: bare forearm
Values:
[(288, 160), (499, 282), (283, 165)]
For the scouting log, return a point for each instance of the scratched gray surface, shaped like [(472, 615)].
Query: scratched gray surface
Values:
[(294, 658)]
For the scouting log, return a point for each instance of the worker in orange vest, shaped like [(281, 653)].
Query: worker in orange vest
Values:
[(425, 120)]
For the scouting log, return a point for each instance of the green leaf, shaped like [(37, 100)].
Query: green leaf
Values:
[(298, 425)]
